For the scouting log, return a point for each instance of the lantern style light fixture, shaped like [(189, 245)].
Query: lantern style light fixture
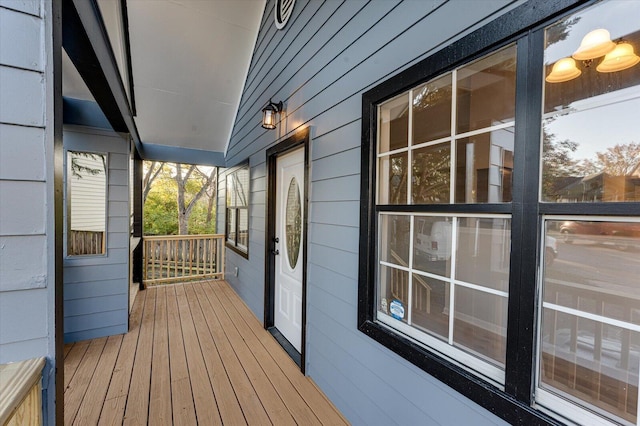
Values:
[(595, 44), (269, 114)]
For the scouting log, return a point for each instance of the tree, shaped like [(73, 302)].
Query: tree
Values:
[(185, 207), (557, 163), (179, 199), (618, 160), (150, 174)]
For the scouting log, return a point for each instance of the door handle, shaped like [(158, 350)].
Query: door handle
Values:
[(275, 252)]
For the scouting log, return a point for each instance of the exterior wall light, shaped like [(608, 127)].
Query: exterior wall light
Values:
[(620, 58), (269, 114), (563, 70), (595, 44)]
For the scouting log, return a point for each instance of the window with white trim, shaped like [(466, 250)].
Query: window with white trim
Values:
[(501, 215)]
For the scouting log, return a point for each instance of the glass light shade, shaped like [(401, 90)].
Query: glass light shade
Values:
[(563, 70), (621, 58), (595, 44), (268, 118)]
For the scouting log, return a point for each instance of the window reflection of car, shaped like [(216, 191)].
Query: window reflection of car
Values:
[(622, 234), (433, 240)]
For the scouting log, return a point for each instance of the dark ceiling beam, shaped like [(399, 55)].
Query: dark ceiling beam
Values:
[(85, 40)]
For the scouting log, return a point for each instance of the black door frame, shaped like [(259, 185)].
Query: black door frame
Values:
[(299, 140)]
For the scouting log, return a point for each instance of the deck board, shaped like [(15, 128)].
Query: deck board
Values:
[(203, 397), (194, 354), (159, 412), (112, 411), (77, 389), (230, 410), (137, 409), (184, 412)]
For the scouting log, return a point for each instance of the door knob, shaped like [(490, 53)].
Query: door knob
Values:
[(275, 252)]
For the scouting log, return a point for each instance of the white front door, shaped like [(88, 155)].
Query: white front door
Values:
[(290, 217)]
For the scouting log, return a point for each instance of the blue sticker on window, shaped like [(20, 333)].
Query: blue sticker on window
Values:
[(397, 309)]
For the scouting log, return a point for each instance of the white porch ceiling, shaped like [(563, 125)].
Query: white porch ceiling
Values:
[(189, 60)]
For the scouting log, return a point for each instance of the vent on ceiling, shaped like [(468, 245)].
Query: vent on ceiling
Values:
[(283, 12)]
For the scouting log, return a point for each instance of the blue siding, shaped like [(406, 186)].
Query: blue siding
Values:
[(319, 65), (96, 288)]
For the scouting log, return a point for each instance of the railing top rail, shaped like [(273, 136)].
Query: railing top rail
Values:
[(183, 237)]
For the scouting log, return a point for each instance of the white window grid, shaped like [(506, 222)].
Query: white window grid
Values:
[(561, 403), (467, 358)]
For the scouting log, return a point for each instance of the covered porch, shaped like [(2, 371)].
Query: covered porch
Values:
[(194, 354)]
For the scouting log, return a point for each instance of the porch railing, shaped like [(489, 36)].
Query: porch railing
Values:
[(171, 258)]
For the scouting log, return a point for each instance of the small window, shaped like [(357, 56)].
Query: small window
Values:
[(237, 210), (86, 203)]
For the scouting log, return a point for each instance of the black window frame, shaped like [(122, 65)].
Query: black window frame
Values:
[(525, 26), (233, 244)]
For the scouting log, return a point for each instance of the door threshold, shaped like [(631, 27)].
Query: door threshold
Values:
[(288, 347)]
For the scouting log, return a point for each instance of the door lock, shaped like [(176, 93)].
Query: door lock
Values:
[(275, 240)]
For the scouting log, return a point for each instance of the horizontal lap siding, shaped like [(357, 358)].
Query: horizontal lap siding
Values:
[(249, 283), (26, 170), (96, 296), (319, 65)]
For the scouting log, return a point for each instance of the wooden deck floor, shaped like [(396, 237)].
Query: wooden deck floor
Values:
[(194, 354)]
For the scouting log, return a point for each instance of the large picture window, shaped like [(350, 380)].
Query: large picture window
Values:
[(501, 216), (443, 278), (237, 210)]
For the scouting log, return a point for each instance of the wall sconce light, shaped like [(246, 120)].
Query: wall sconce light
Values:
[(595, 44), (563, 70), (620, 58), (269, 114)]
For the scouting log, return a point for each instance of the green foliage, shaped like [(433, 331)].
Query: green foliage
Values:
[(197, 220), (161, 203), (161, 208)]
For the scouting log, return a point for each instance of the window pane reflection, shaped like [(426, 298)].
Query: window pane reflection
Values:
[(593, 351), (590, 138), (432, 110), (86, 203), (392, 180), (231, 225), (393, 292), (432, 245), (394, 239), (484, 166), (484, 246), (487, 91), (394, 124), (481, 323), (431, 168), (430, 311)]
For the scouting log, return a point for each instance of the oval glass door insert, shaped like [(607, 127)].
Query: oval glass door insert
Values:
[(293, 223)]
